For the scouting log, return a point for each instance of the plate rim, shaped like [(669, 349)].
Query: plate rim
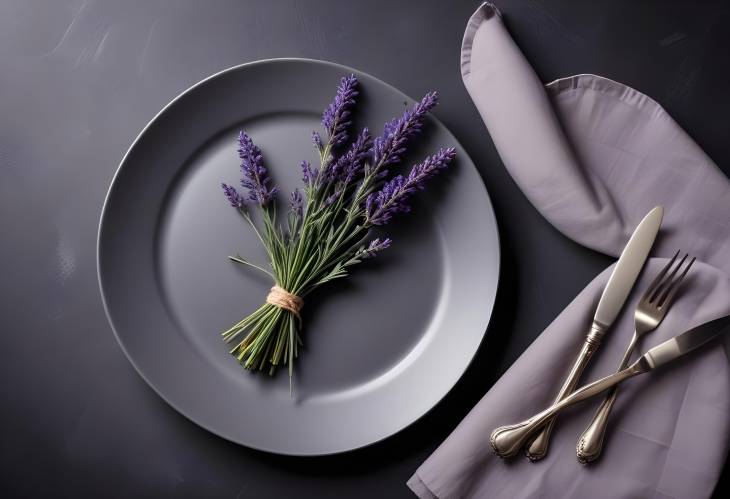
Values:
[(139, 370)]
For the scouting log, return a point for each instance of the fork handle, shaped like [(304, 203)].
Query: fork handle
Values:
[(538, 446), (590, 443)]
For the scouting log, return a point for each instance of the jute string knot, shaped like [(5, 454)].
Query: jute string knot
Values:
[(282, 298)]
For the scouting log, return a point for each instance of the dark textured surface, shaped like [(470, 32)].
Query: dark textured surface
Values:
[(79, 80)]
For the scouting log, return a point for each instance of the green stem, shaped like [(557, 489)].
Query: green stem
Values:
[(240, 260)]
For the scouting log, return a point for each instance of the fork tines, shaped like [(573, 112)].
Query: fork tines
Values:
[(662, 290)]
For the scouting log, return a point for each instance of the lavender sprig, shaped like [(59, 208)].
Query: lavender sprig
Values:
[(317, 141), (388, 148), (329, 222), (375, 247), (309, 174), (381, 206), (335, 118), (296, 203), (350, 165), (255, 177), (234, 197)]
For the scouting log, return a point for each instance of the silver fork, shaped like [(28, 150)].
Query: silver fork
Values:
[(649, 313)]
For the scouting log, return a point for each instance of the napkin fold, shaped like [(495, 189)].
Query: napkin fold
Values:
[(594, 156)]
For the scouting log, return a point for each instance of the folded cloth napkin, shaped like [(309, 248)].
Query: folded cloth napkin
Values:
[(594, 156)]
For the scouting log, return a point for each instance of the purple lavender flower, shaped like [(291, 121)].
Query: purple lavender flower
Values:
[(332, 197), (392, 198), (388, 148), (350, 165), (375, 246), (335, 117), (309, 174), (255, 177), (317, 141), (234, 197), (296, 203), (381, 206)]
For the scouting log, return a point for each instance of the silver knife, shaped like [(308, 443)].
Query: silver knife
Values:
[(614, 295), (508, 440)]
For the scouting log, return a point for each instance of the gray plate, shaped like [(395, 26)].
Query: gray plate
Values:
[(381, 348)]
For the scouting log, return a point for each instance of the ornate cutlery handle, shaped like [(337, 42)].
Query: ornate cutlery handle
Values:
[(508, 440), (590, 443), (538, 447)]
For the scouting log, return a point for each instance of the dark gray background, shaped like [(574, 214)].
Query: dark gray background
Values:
[(79, 80)]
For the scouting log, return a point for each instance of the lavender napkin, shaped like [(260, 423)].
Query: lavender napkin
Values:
[(594, 156)]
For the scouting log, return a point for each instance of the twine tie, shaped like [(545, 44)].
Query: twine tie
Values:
[(282, 298)]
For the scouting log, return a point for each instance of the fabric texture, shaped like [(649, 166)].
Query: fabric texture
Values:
[(594, 156)]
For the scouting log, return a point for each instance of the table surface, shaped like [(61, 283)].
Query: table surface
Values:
[(79, 81)]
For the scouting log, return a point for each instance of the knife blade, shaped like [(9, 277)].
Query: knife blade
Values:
[(627, 269), (614, 295), (685, 342)]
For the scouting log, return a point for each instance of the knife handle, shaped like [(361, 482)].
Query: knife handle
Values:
[(537, 448)]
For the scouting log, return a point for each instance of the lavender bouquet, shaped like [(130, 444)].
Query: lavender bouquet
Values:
[(329, 222)]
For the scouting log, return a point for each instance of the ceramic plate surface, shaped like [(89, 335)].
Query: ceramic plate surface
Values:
[(381, 347)]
